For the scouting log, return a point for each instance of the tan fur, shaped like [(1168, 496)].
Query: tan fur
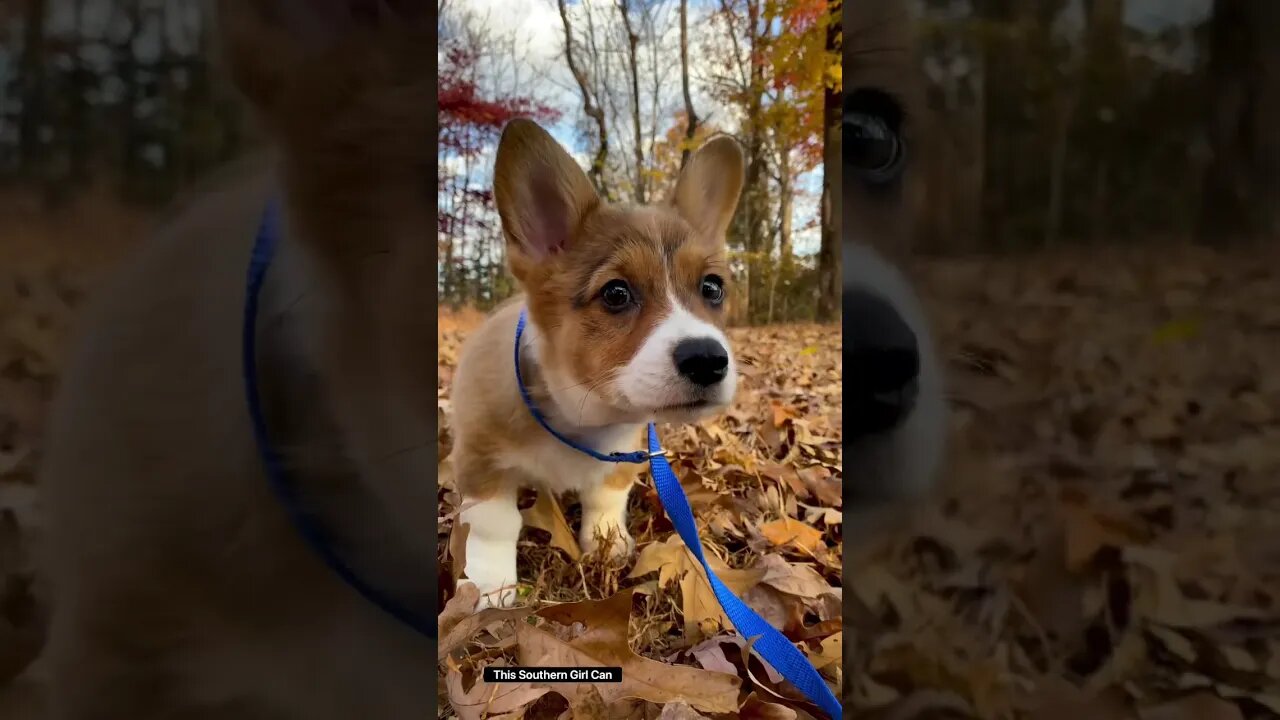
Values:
[(564, 247), (181, 590)]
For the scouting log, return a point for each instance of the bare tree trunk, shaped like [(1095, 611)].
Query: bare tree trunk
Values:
[(32, 80), (128, 69), (1058, 164), (655, 91), (829, 260), (786, 202), (633, 41), (1242, 182), (590, 107), (755, 194), (1105, 70), (691, 117), (80, 131)]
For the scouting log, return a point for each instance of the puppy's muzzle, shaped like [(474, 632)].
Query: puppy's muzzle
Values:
[(882, 364)]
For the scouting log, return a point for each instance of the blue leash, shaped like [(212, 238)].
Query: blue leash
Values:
[(772, 645), (264, 247)]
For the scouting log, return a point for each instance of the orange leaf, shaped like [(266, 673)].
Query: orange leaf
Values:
[(789, 531)]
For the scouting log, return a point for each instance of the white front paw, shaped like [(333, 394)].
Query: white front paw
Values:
[(493, 526)]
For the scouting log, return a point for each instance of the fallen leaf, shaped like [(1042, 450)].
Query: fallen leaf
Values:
[(468, 627), (603, 643), (789, 531), (755, 708), (825, 515), (1200, 706), (793, 578), (459, 607), (545, 514), (829, 653), (679, 710), (484, 699), (1089, 530), (710, 655)]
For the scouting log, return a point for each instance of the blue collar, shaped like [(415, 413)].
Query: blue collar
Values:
[(312, 533), (638, 457), (771, 645)]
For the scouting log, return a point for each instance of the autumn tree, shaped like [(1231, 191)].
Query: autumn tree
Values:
[(479, 90), (779, 62)]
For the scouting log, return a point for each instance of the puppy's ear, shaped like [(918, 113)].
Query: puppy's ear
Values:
[(707, 192), (268, 44), (541, 193)]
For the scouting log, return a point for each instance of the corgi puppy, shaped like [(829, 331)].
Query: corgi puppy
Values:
[(625, 307), (181, 588)]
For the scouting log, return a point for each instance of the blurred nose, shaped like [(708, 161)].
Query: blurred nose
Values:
[(882, 363), (704, 361)]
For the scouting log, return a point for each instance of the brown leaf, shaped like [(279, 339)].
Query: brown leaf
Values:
[(788, 475), (710, 655), (793, 578), (1057, 699), (604, 643), (789, 531), (488, 698), (781, 414), (783, 611), (679, 710), (1089, 530), (754, 708), (468, 627), (545, 514), (824, 487), (1200, 706), (827, 516), (829, 652), (459, 607), (925, 703), (587, 704)]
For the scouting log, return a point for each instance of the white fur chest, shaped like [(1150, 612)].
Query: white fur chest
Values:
[(557, 467)]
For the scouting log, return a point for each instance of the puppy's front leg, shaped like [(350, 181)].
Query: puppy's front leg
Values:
[(604, 514), (493, 528)]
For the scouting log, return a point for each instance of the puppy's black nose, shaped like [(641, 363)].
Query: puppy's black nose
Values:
[(882, 363), (703, 360)]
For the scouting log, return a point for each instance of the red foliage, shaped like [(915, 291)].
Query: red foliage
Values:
[(463, 107), (470, 119)]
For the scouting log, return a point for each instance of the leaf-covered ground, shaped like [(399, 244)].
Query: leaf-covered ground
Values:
[(764, 482), (1105, 544)]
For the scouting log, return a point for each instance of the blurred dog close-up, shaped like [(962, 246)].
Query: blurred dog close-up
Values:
[(181, 588)]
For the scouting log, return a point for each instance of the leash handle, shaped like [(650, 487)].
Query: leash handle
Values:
[(772, 645)]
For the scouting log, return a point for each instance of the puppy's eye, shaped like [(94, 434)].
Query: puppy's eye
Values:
[(713, 289), (616, 295), (872, 147)]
